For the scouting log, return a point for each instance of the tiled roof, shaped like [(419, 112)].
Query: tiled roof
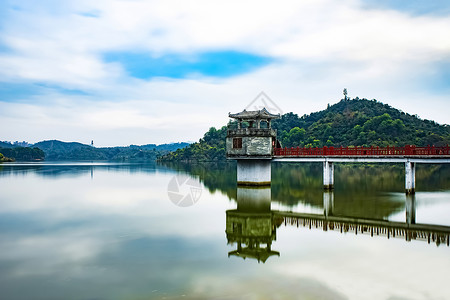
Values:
[(254, 114)]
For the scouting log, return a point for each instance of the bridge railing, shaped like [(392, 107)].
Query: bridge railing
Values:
[(408, 150)]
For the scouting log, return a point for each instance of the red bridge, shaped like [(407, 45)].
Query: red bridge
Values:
[(407, 151), (409, 155)]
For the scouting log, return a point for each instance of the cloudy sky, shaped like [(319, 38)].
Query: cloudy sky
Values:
[(138, 72)]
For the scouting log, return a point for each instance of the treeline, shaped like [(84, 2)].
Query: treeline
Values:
[(21, 154), (5, 159), (356, 122), (58, 150)]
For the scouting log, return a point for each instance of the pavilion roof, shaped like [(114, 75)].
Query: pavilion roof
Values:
[(261, 254), (254, 114)]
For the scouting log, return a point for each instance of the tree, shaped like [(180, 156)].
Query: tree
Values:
[(294, 138)]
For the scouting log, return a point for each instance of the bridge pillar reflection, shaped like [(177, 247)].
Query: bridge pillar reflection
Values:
[(410, 177), (410, 209), (328, 203), (328, 175)]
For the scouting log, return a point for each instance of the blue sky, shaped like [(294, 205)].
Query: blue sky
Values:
[(215, 64), (139, 72)]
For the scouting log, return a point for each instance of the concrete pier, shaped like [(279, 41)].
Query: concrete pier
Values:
[(254, 172), (410, 177), (328, 175)]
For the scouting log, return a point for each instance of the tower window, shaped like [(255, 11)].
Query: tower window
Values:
[(237, 143)]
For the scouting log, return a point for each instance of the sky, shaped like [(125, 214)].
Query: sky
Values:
[(140, 72)]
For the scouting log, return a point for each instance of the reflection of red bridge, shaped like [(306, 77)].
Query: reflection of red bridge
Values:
[(407, 151), (409, 155), (423, 232)]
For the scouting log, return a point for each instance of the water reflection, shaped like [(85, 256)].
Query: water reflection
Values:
[(362, 190), (328, 203), (411, 209), (252, 226), (74, 169)]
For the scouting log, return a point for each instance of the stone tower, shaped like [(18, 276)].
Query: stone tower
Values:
[(251, 143)]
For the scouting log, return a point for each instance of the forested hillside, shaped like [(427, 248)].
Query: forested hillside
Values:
[(57, 150), (357, 122)]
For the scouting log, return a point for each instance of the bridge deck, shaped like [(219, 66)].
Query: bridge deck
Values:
[(371, 159)]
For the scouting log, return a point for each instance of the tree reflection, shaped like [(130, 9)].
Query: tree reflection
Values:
[(361, 190)]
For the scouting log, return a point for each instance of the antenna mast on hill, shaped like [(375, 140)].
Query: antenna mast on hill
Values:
[(345, 94)]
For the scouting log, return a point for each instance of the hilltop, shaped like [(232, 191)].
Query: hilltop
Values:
[(355, 122), (359, 122)]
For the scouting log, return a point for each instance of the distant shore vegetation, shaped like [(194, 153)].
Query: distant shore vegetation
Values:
[(5, 159), (55, 150), (22, 154)]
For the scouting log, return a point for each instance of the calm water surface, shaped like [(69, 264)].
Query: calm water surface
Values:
[(130, 231)]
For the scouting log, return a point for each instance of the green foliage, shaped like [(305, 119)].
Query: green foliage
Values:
[(22, 154), (57, 150), (5, 159), (294, 136), (360, 122)]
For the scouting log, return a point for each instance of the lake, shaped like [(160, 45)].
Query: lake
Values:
[(99, 230)]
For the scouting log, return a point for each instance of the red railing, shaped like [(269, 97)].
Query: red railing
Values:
[(408, 150)]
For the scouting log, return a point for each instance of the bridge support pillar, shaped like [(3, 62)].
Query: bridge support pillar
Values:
[(328, 175), (410, 209), (328, 203), (254, 172), (410, 177)]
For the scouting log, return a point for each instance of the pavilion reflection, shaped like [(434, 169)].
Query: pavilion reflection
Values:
[(252, 226)]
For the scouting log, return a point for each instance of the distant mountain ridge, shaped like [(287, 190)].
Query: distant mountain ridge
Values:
[(58, 150)]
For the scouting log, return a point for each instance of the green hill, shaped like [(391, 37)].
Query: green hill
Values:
[(57, 150), (357, 122)]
